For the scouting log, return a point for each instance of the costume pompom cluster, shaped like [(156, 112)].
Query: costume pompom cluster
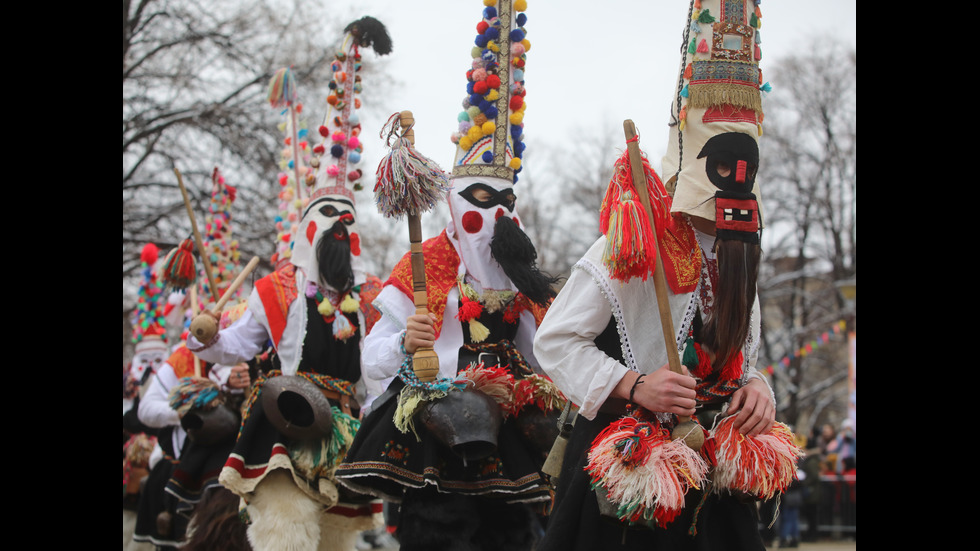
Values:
[(643, 471), (761, 466)]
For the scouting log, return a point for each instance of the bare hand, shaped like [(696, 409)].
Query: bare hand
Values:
[(663, 390), (238, 378), (753, 407), (420, 332)]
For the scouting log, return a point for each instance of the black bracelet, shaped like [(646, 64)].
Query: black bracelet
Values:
[(639, 380)]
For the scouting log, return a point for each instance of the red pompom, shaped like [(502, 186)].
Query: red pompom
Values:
[(482, 27), (319, 149), (493, 81), (480, 87), (150, 254), (516, 102), (470, 309)]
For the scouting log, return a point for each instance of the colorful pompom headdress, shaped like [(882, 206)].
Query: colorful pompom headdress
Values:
[(335, 158), (219, 242), (490, 136), (716, 118)]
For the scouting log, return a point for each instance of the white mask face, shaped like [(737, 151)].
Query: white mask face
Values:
[(150, 355), (475, 204), (320, 217)]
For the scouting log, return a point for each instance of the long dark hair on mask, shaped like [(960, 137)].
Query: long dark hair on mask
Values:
[(515, 253), (726, 329), (333, 256)]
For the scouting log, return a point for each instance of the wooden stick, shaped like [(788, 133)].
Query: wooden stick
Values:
[(197, 235), (197, 361), (425, 361), (684, 428)]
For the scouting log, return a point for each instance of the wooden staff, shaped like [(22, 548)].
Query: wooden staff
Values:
[(425, 361), (205, 325), (197, 235), (197, 361), (686, 428)]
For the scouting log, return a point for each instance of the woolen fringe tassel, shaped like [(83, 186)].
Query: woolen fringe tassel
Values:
[(407, 181), (645, 473), (192, 393), (762, 466), (179, 270), (630, 247)]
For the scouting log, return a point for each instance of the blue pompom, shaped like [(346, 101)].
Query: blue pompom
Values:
[(492, 33), (487, 157), (481, 41), (484, 105), (516, 130), (489, 12), (516, 35), (354, 157), (302, 133), (477, 99), (519, 149), (337, 150), (491, 112), (469, 87), (521, 19)]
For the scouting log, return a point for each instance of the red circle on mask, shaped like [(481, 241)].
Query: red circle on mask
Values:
[(472, 222), (355, 244)]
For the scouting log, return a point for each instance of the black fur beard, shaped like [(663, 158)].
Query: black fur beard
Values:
[(515, 253), (333, 256), (727, 327)]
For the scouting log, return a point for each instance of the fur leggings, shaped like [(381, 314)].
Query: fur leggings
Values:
[(433, 521), (283, 518)]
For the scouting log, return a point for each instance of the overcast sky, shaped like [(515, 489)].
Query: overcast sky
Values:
[(590, 62)]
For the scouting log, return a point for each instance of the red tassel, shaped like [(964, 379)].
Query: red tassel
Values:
[(471, 309), (761, 466), (630, 249), (179, 270)]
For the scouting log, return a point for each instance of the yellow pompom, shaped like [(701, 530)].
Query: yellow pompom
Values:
[(474, 133), (520, 5), (527, 45), (465, 143), (349, 305), (325, 308), (515, 163), (516, 117), (491, 96), (488, 128), (682, 124), (298, 203), (489, 3), (478, 331), (492, 46)]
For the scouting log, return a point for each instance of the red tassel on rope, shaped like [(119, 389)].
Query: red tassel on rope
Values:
[(179, 270), (630, 247)]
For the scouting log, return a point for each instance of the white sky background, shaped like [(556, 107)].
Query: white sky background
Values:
[(590, 62)]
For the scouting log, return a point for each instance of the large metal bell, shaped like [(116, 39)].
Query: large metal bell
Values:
[(297, 408), (211, 426), (538, 428), (467, 421)]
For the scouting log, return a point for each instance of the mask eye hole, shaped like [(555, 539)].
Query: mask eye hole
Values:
[(723, 169), (328, 210)]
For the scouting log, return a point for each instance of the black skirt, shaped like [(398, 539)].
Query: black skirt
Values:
[(385, 462), (716, 522)]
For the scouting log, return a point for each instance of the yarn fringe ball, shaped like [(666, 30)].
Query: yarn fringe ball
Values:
[(193, 393), (538, 391), (643, 471), (407, 182), (282, 88), (179, 270), (631, 250), (494, 381), (320, 458), (762, 466)]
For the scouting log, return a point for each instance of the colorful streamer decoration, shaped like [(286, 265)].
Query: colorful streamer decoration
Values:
[(809, 347)]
